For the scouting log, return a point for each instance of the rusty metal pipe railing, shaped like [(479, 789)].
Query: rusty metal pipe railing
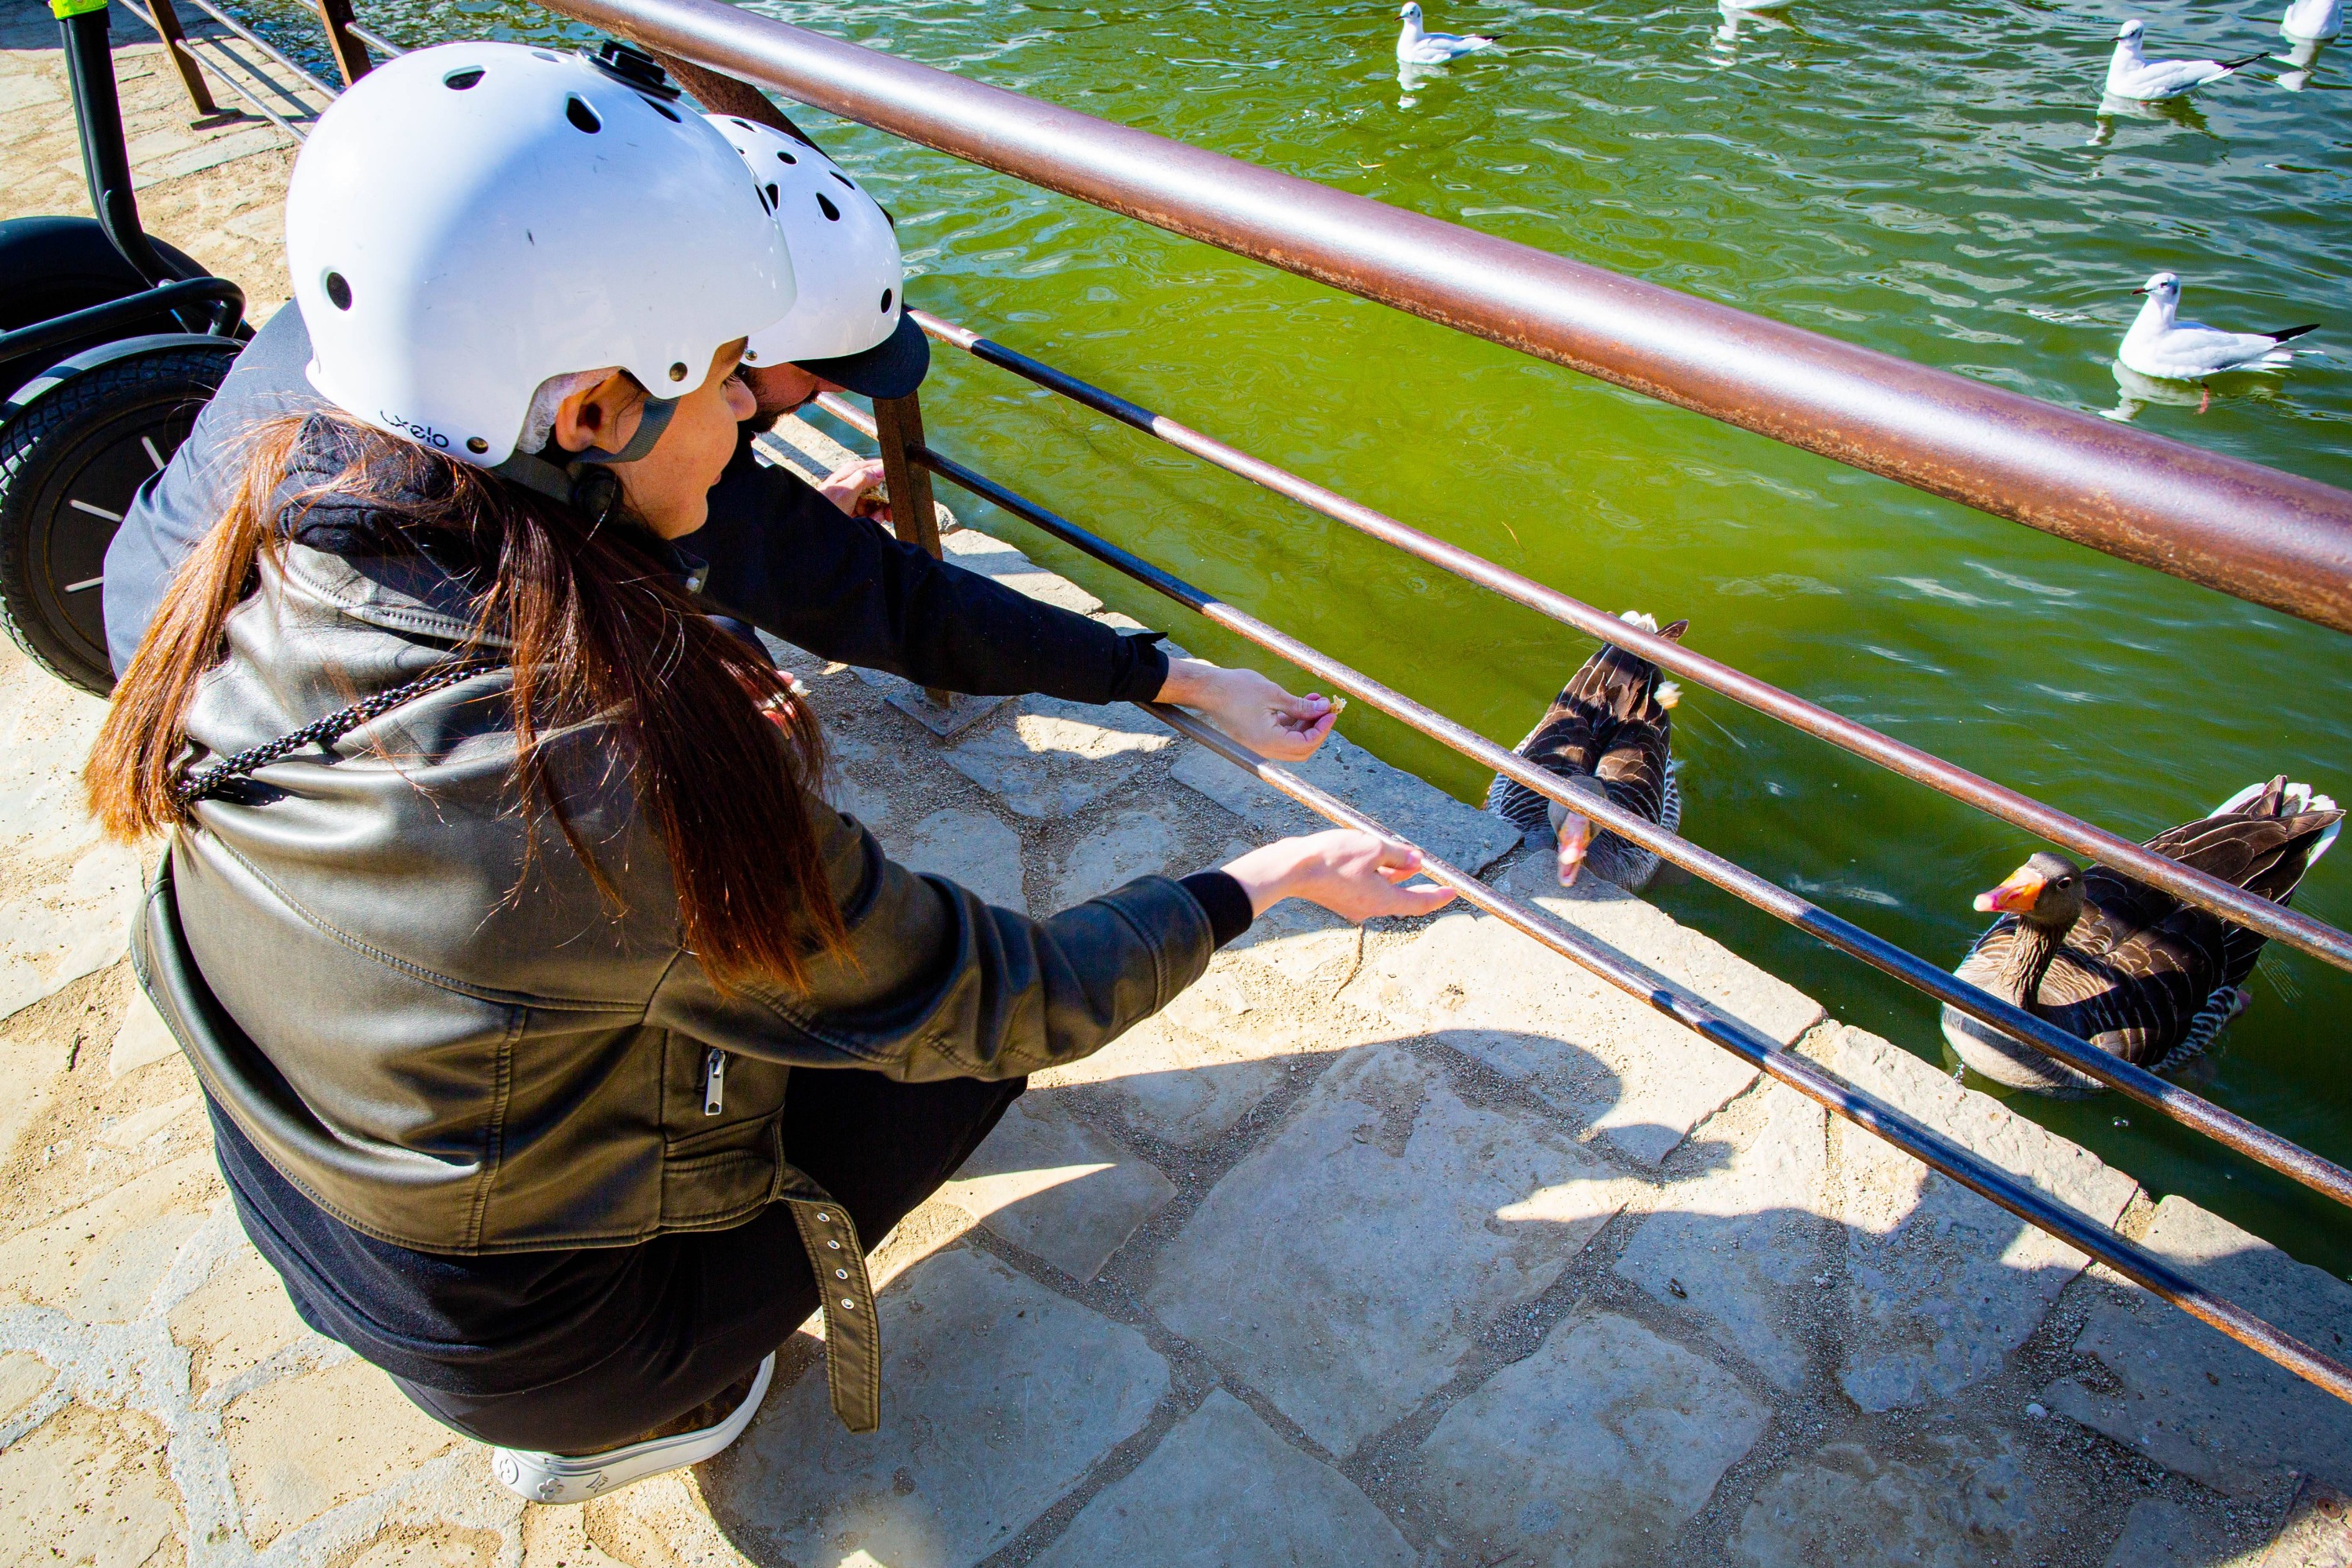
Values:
[(2232, 1130), (2208, 892), (2263, 535), (1923, 1143)]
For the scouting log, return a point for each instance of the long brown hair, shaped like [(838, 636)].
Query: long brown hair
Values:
[(597, 633)]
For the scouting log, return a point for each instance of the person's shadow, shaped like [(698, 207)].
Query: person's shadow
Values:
[(1397, 1287)]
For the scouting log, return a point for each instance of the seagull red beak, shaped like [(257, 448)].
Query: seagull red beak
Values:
[(2139, 290), (2013, 897)]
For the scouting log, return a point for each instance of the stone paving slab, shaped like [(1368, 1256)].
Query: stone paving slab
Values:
[(1190, 1073), (65, 892), (970, 847), (1594, 1450), (1745, 1247), (1940, 1284), (1443, 826), (1051, 758), (1953, 1501), (1223, 1489), (1633, 1077), (2197, 1402), (1048, 1183), (1347, 1266), (997, 1395), (1003, 562)]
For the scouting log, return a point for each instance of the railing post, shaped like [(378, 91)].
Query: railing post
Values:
[(175, 45), (351, 55), (899, 429)]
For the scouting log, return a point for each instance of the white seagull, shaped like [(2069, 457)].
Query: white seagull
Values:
[(2313, 20), (2131, 74), (1415, 48), (2161, 345)]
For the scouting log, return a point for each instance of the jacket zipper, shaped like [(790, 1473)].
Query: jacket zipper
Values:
[(714, 1083)]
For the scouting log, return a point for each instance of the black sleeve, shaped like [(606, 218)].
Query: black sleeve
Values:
[(1222, 900), (791, 563)]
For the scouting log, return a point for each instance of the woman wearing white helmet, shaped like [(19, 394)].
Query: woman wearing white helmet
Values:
[(497, 978)]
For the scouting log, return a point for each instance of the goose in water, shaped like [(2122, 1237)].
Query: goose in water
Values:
[(1609, 734), (2312, 21), (2132, 75), (1415, 48), (2160, 344), (2136, 972)]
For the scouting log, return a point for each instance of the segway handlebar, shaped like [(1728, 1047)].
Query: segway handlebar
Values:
[(100, 320)]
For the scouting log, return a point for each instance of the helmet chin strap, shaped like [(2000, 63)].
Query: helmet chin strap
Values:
[(584, 479)]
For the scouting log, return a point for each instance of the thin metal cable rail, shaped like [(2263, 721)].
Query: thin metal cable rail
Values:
[(1915, 1137), (2227, 1128), (2314, 937)]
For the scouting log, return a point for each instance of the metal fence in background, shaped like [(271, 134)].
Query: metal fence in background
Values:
[(2259, 534)]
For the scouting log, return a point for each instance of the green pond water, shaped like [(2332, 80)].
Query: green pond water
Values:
[(1935, 182)]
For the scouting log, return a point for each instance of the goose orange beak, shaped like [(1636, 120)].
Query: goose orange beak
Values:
[(1575, 842), (2012, 897)]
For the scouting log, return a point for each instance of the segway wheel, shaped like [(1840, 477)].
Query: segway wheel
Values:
[(69, 464)]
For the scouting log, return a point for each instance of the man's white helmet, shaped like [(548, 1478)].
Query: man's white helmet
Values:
[(845, 254), (469, 220)]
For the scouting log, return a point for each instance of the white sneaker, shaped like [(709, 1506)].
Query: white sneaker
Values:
[(569, 1477)]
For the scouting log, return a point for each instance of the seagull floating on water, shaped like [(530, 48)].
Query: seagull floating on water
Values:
[(2313, 20), (2162, 346), (2131, 74), (1415, 48)]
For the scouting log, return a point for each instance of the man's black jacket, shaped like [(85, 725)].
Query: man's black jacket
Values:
[(780, 555)]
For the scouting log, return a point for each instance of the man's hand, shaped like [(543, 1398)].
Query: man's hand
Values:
[(848, 484), (1251, 709)]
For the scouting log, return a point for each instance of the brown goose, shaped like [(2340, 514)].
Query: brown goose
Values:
[(1609, 734), (2134, 971)]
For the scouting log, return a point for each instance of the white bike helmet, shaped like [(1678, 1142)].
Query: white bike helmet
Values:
[(849, 324), (470, 220)]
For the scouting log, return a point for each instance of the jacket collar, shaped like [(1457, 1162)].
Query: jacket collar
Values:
[(365, 558)]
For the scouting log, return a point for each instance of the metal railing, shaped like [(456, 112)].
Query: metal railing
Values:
[(2251, 532)]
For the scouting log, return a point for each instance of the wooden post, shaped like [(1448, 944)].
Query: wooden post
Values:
[(183, 60), (351, 55), (899, 429)]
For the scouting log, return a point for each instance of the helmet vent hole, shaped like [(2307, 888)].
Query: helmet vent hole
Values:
[(784, 157), (843, 178), (459, 81), (339, 291), (576, 109), (664, 110), (831, 211), (770, 192), (886, 295)]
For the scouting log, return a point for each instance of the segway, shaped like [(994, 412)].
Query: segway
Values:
[(110, 344)]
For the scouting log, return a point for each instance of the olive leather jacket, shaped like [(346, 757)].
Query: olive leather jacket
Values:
[(442, 1034)]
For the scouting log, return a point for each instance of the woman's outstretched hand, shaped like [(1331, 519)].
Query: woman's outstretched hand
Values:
[(1354, 874)]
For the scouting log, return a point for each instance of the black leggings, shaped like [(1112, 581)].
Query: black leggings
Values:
[(879, 1147)]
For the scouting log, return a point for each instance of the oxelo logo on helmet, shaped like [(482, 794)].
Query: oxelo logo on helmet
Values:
[(416, 430)]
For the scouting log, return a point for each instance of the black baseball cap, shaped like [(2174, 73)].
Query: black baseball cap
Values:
[(891, 368)]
